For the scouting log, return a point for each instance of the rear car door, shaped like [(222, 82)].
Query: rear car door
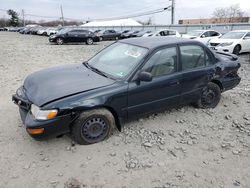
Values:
[(83, 35), (164, 89), (197, 70)]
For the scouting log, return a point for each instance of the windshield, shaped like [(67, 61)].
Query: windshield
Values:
[(233, 35), (195, 33), (118, 60), (63, 31)]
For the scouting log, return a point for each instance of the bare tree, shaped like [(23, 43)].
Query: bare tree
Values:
[(230, 13)]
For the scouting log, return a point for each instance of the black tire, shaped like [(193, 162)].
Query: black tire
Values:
[(59, 41), (210, 96), (89, 41), (237, 49), (93, 126), (101, 38), (44, 34), (116, 38)]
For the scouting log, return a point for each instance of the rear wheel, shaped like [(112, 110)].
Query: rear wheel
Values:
[(116, 38), (89, 41), (101, 38), (237, 49), (210, 97), (59, 41), (93, 126)]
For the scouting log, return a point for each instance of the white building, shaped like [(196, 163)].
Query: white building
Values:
[(122, 22)]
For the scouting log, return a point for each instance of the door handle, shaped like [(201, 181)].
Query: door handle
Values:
[(176, 82)]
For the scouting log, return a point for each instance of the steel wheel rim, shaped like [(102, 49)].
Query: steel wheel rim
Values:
[(208, 97), (59, 41), (94, 129), (90, 41)]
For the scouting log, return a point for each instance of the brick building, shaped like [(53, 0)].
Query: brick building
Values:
[(215, 20)]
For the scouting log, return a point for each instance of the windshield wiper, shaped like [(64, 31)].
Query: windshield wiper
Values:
[(97, 70)]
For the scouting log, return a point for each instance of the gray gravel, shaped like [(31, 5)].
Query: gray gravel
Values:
[(184, 147)]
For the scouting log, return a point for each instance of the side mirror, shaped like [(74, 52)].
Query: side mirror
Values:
[(145, 77), (203, 36), (246, 38)]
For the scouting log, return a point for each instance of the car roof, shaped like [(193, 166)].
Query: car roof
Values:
[(154, 42)]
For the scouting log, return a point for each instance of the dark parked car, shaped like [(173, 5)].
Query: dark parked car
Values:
[(25, 30), (74, 35), (109, 35), (126, 80)]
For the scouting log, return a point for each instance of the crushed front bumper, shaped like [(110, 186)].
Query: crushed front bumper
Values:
[(52, 128)]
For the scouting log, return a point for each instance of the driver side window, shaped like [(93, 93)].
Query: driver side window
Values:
[(163, 62)]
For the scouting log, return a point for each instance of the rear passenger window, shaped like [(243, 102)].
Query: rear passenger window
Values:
[(162, 62), (192, 56)]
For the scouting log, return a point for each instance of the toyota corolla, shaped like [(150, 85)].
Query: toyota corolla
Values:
[(126, 80)]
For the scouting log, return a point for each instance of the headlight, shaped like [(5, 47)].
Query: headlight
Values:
[(226, 44), (42, 114), (20, 92)]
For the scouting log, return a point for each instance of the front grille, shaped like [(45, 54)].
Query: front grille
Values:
[(214, 44)]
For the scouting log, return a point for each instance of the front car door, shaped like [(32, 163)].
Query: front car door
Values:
[(197, 70), (246, 43), (73, 36), (164, 89)]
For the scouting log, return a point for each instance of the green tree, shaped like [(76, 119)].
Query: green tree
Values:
[(14, 19)]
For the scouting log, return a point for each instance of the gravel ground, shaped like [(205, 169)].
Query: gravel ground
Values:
[(184, 147)]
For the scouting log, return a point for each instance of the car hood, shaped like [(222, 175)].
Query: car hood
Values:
[(219, 40), (55, 83)]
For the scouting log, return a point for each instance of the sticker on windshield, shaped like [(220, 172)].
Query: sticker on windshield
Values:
[(121, 74), (133, 53)]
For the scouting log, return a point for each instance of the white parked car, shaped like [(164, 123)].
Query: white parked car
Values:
[(234, 42), (203, 36), (42, 31), (163, 32), (51, 31)]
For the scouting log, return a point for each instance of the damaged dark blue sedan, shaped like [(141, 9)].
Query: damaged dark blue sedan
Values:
[(126, 80)]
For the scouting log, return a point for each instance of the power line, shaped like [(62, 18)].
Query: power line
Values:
[(135, 15)]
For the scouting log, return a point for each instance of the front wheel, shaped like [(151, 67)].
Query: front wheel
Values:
[(93, 126), (89, 41), (236, 50), (59, 41), (210, 97)]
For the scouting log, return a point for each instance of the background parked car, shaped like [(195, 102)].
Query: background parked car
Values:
[(128, 34), (109, 35), (163, 32), (74, 35), (3, 29), (203, 36), (234, 42), (141, 33), (52, 31), (42, 31)]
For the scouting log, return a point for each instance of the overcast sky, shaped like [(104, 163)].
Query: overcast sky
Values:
[(83, 9)]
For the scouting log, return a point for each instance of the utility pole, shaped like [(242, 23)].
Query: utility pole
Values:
[(23, 15), (172, 11), (62, 15)]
